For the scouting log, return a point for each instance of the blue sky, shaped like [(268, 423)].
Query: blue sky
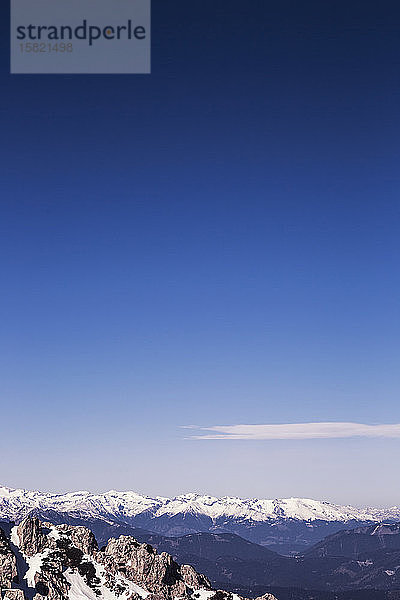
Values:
[(216, 244)]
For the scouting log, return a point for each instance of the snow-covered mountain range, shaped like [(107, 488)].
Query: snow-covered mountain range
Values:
[(126, 507), (286, 525)]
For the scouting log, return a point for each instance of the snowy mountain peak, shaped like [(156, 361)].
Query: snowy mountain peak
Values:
[(125, 507)]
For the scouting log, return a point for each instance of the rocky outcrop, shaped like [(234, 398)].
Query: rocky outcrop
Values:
[(80, 537), (13, 595), (158, 573), (49, 579), (32, 539), (64, 561), (193, 579), (8, 563)]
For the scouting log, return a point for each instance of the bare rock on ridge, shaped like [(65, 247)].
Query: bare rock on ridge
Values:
[(158, 573), (32, 539), (8, 563)]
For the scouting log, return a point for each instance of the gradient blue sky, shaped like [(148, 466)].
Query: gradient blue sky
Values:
[(214, 244)]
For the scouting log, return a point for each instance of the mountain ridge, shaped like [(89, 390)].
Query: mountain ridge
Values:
[(129, 504), (287, 526)]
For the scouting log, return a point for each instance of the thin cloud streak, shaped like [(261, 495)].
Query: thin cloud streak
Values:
[(295, 431)]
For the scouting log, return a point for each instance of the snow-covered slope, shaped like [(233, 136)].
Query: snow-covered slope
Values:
[(125, 507)]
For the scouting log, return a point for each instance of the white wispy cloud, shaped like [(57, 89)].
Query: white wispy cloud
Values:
[(294, 431)]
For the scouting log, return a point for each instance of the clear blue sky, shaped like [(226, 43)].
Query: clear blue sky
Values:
[(214, 244)]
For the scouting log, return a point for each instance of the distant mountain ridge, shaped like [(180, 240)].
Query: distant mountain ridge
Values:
[(366, 559), (284, 525), (124, 506), (356, 542)]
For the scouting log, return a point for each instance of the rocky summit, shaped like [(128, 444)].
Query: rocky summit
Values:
[(41, 561)]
